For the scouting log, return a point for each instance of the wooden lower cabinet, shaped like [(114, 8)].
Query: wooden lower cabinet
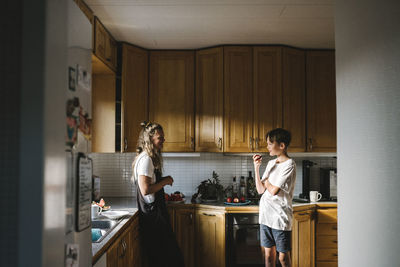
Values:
[(185, 231), (303, 238), (326, 238), (210, 238), (125, 251), (135, 243)]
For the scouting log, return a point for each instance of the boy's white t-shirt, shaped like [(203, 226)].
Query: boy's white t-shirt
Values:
[(276, 211), (144, 166)]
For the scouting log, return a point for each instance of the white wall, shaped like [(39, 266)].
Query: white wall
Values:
[(367, 37)]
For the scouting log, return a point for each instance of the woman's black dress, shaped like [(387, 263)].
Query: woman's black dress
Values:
[(159, 245)]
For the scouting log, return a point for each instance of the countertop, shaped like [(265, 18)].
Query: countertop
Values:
[(129, 204), (116, 203)]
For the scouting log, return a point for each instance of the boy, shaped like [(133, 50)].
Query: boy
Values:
[(277, 186)]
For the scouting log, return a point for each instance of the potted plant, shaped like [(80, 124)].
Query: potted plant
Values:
[(210, 190)]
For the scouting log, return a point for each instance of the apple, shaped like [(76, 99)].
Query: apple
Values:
[(229, 200), (236, 200), (242, 199)]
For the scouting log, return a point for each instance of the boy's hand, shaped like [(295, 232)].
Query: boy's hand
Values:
[(257, 159)]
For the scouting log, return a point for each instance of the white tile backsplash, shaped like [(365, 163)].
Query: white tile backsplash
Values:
[(114, 170)]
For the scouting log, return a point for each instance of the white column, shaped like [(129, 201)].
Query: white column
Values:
[(367, 35)]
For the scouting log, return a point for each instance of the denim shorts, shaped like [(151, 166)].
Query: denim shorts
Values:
[(271, 237)]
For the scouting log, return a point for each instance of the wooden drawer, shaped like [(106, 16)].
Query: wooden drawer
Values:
[(327, 229), (327, 241), (327, 254), (327, 216), (327, 264)]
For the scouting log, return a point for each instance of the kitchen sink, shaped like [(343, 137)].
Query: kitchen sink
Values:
[(101, 228)]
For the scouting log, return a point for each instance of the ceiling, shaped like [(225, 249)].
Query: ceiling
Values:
[(189, 24)]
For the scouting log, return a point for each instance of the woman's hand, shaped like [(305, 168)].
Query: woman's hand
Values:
[(168, 180), (257, 159)]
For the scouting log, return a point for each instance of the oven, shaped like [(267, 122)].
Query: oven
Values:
[(243, 240)]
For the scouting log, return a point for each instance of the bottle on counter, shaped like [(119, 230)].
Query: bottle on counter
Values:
[(243, 191), (235, 187), (251, 187)]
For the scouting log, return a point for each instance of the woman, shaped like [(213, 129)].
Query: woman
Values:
[(159, 245)]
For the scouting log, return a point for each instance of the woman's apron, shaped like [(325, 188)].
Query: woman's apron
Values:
[(159, 245)]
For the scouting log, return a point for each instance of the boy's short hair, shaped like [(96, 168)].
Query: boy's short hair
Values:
[(280, 136)]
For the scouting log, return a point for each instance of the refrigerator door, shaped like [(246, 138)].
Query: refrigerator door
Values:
[(78, 242)]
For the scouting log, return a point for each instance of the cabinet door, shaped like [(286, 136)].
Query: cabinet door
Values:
[(210, 237), (105, 47), (294, 109), (238, 99), (125, 249), (119, 254), (267, 97), (134, 102), (100, 39), (112, 255), (171, 213), (321, 101), (209, 100), (184, 230), (111, 52), (103, 113), (172, 97), (303, 251), (135, 244)]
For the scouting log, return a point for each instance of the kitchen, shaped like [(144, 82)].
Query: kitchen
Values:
[(355, 179)]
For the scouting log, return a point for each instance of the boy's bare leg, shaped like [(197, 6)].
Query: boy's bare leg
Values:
[(270, 256), (284, 258)]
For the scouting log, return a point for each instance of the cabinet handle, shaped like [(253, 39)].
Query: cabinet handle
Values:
[(334, 227), (251, 143), (123, 245), (305, 213), (212, 215), (335, 254), (257, 142), (220, 143), (334, 241), (192, 142), (191, 218), (126, 144), (310, 144)]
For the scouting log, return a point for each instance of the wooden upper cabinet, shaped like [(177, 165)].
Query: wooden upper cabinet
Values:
[(294, 118), (267, 96), (321, 101), (209, 100), (238, 99), (103, 111), (105, 47), (134, 101), (172, 97)]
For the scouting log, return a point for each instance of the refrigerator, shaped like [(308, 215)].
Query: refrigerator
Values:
[(78, 243)]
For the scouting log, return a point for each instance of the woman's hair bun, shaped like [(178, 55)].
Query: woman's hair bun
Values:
[(145, 124)]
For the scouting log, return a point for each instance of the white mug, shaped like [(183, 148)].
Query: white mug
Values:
[(315, 196), (96, 211)]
